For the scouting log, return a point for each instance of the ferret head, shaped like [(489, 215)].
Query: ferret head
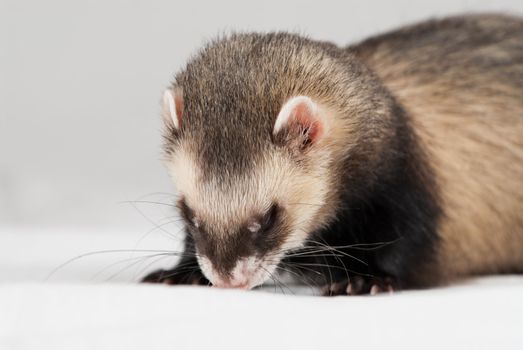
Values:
[(251, 131)]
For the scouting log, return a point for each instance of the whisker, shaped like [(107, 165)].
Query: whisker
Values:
[(334, 267), (154, 229), (277, 280), (124, 261), (298, 275), (312, 254), (327, 247), (177, 270), (122, 270), (147, 202), (149, 219), (361, 246), (110, 251), (146, 267)]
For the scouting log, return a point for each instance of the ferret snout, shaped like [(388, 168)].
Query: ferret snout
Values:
[(244, 275), (230, 284)]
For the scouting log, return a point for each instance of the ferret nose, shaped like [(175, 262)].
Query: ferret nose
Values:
[(239, 277), (238, 282), (231, 284)]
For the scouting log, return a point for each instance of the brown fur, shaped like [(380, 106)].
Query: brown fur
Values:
[(461, 82), (425, 147), (224, 155)]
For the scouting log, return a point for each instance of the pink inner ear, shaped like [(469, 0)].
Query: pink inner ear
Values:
[(178, 102), (300, 123), (303, 117)]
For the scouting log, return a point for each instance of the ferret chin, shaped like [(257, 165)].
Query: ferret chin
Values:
[(393, 163)]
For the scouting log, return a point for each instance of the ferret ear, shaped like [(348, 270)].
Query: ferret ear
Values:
[(172, 112), (299, 123)]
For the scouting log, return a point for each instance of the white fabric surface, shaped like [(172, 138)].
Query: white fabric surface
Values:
[(61, 316), (72, 310)]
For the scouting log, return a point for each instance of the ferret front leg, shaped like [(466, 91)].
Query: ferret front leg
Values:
[(187, 271)]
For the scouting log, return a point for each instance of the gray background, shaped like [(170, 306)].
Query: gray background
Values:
[(80, 84)]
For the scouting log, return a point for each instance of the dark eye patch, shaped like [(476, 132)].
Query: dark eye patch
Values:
[(266, 221), (270, 218), (269, 237)]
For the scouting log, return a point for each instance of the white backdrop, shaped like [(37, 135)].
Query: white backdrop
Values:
[(80, 83)]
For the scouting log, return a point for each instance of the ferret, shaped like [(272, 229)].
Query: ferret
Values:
[(394, 163)]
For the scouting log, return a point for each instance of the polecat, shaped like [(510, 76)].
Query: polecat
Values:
[(393, 163)]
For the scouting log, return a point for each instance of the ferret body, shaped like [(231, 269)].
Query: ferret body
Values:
[(393, 163)]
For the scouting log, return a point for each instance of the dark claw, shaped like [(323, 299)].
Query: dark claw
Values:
[(359, 285)]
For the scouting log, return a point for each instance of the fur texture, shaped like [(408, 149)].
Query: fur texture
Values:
[(461, 82), (416, 180)]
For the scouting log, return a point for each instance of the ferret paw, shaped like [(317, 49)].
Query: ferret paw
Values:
[(359, 285), (176, 276)]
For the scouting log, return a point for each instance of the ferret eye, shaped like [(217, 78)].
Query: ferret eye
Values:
[(265, 222), (270, 218)]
